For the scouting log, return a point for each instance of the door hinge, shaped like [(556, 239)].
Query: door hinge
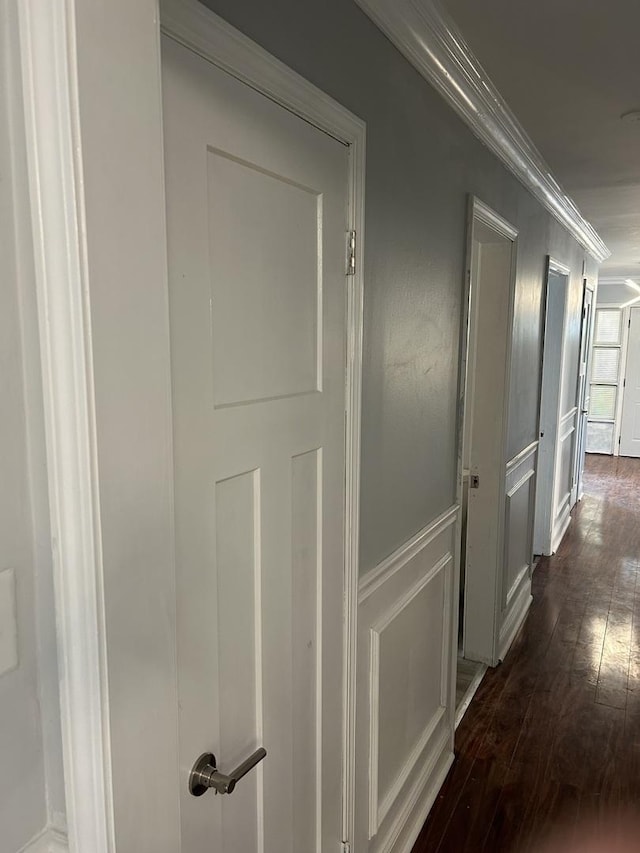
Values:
[(351, 252), (346, 847)]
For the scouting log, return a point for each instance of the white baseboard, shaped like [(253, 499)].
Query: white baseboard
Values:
[(516, 617), (47, 841), (414, 824)]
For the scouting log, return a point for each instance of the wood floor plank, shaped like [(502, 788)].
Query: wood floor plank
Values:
[(552, 736)]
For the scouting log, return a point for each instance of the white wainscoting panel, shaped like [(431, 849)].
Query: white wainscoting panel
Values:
[(420, 612), (405, 718), (518, 544)]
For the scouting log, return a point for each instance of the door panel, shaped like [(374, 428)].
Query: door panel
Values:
[(265, 229), (256, 221), (484, 530)]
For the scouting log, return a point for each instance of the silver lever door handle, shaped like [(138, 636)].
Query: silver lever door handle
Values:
[(205, 774)]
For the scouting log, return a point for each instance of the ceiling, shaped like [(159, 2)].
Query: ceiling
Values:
[(568, 69)]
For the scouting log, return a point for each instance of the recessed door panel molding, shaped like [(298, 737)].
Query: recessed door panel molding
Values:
[(266, 231)]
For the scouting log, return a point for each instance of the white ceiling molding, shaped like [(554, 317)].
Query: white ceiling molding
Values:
[(430, 40)]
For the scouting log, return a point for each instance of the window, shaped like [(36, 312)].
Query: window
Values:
[(604, 381)]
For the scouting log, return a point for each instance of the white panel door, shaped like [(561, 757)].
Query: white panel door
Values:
[(550, 399), (256, 220), (630, 423)]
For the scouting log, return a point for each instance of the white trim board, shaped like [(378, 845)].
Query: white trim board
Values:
[(50, 99), (485, 214), (431, 41), (381, 573)]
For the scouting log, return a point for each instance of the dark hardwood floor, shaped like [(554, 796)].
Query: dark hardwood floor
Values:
[(553, 734)]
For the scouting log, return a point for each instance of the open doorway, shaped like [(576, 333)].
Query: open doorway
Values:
[(485, 383)]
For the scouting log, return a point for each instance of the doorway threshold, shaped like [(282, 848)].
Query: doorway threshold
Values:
[(469, 675)]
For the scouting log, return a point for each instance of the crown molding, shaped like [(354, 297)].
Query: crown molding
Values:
[(431, 41)]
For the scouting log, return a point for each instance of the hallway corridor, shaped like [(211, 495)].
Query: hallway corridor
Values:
[(553, 734)]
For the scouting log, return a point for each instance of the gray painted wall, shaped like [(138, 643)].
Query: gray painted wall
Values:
[(422, 162)]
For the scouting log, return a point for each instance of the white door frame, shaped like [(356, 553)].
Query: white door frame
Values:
[(54, 114)]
